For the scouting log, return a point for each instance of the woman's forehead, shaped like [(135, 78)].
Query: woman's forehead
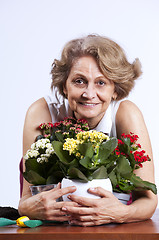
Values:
[(87, 65)]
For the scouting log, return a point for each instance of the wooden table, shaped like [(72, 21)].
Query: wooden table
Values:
[(146, 230)]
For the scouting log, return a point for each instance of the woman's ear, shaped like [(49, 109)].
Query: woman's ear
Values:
[(115, 95), (65, 90)]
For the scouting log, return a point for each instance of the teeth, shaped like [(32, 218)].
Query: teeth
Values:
[(89, 104)]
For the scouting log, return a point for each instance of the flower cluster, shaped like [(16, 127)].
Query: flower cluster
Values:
[(70, 145), (140, 157), (69, 127), (46, 126), (128, 147), (42, 150), (128, 156), (133, 138), (94, 137)]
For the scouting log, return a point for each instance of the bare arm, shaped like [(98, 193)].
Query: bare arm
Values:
[(129, 119), (43, 205), (37, 113)]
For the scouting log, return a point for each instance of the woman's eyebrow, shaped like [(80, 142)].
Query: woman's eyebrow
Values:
[(81, 74), (76, 74)]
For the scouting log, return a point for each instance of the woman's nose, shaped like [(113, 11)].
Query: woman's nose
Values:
[(89, 92)]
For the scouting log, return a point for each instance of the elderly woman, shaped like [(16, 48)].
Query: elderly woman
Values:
[(90, 81)]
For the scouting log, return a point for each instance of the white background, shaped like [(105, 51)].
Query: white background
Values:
[(32, 34)]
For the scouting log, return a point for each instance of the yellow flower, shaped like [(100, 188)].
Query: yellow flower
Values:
[(78, 155), (70, 145), (92, 136)]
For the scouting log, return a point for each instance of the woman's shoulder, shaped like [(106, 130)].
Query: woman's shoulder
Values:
[(127, 107), (38, 111), (37, 105), (124, 108), (129, 118)]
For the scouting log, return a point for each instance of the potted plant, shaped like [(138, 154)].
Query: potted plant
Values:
[(93, 155), (68, 150)]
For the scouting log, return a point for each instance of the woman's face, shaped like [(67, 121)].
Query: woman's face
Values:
[(88, 92)]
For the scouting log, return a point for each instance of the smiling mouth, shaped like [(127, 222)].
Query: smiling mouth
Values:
[(88, 104)]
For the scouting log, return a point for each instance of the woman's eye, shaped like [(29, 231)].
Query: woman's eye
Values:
[(79, 81), (101, 83)]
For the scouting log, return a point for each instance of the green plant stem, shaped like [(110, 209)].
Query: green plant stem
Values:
[(96, 157)]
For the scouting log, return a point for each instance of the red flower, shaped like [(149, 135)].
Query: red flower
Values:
[(57, 124), (138, 145), (133, 138), (82, 121), (120, 142), (46, 126), (140, 164), (51, 125), (69, 119), (67, 123), (117, 153), (140, 157), (42, 126), (78, 130)]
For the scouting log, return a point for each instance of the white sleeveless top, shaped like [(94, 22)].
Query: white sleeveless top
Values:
[(59, 109)]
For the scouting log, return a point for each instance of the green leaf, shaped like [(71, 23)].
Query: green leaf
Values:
[(125, 186), (123, 166), (86, 162), (100, 173), (107, 148), (113, 178), (127, 141), (52, 167), (74, 163), (34, 178), (63, 155), (32, 164), (75, 173), (59, 136), (86, 149), (143, 185), (55, 178)]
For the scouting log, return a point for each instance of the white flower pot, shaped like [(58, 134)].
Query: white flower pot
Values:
[(122, 197), (82, 187)]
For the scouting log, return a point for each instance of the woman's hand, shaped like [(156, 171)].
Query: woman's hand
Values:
[(92, 212), (44, 206)]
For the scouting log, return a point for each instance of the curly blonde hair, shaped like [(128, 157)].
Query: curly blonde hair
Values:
[(109, 56)]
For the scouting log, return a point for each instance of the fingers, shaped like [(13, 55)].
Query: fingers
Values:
[(76, 210), (86, 216), (54, 211), (59, 192), (99, 191), (82, 216), (89, 202), (60, 205), (83, 201), (58, 186)]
